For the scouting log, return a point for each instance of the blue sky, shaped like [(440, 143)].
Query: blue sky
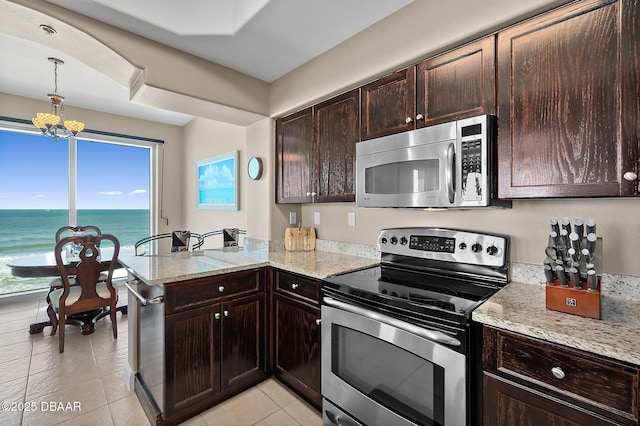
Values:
[(34, 174)]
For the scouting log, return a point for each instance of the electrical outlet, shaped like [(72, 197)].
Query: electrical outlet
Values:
[(351, 219), (316, 218), (292, 218)]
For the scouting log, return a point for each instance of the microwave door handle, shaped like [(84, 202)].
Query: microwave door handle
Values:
[(451, 173), (432, 335)]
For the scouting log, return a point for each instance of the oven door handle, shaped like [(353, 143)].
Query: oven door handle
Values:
[(433, 335)]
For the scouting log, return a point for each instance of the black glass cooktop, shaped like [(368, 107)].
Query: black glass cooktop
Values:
[(412, 290)]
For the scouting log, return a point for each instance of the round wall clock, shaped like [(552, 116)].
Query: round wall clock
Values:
[(254, 168)]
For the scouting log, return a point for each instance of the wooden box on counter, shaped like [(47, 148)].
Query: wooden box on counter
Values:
[(575, 301)]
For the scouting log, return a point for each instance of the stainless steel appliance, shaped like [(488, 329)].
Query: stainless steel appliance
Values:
[(397, 338), (447, 165)]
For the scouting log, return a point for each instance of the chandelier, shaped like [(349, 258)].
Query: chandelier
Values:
[(53, 124)]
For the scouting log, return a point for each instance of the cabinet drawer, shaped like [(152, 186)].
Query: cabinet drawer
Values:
[(298, 286), (205, 291), (589, 381)]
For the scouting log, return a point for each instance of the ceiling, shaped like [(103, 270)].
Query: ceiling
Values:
[(262, 38)]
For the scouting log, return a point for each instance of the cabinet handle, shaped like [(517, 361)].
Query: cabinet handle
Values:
[(311, 194), (408, 120), (419, 117), (630, 176), (557, 373), (294, 286), (216, 315), (318, 321), (226, 313), (221, 289)]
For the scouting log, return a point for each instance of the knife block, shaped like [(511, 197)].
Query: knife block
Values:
[(582, 302), (577, 301)]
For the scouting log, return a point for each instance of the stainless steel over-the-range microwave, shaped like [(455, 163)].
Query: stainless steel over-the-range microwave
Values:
[(450, 165)]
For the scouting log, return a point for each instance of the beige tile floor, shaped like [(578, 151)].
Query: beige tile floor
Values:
[(85, 384)]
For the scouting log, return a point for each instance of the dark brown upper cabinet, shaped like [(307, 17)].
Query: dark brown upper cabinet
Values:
[(336, 133), (457, 84), (315, 151), (388, 104), (568, 102), (294, 151)]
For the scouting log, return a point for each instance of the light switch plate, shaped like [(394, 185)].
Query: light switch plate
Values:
[(351, 218), (316, 218), (292, 218)]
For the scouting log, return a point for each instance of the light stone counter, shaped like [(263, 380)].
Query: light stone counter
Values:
[(521, 308), (162, 269)]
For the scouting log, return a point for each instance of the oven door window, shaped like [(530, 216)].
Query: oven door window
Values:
[(406, 177), (399, 380)]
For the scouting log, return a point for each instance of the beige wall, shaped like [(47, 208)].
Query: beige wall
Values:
[(203, 139)]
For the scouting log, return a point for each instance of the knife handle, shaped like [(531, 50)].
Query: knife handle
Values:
[(575, 241), (566, 224), (561, 276), (587, 255), (554, 239), (591, 226), (592, 280), (591, 243), (578, 227), (575, 277), (554, 225), (548, 274), (565, 238), (574, 255)]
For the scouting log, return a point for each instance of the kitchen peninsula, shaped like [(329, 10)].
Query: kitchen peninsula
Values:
[(201, 330)]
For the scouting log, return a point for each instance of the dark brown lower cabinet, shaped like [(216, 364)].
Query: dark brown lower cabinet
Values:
[(297, 347), (509, 404), (215, 341), (296, 328), (527, 381)]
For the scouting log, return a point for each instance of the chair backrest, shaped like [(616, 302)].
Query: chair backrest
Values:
[(67, 231), (180, 241), (91, 261)]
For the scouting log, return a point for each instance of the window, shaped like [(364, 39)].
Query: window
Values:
[(100, 180)]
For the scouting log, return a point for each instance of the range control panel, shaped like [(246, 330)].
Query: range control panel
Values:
[(448, 245)]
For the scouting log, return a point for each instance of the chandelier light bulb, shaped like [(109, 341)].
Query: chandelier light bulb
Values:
[(53, 124)]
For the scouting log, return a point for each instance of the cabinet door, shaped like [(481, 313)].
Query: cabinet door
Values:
[(568, 102), (337, 123), (388, 104), (297, 346), (294, 155), (508, 404), (457, 84), (192, 358), (242, 341)]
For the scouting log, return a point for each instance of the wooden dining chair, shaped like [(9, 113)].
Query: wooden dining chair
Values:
[(67, 231), (89, 292)]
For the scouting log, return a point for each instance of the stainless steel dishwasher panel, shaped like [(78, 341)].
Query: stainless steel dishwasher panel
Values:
[(151, 341)]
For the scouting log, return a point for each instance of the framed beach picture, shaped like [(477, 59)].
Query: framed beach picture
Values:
[(218, 182)]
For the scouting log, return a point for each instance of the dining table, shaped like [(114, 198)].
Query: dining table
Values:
[(44, 265)]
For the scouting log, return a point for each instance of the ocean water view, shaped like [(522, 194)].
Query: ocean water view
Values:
[(30, 231)]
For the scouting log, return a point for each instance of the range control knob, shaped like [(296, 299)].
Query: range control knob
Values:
[(383, 240), (462, 246), (492, 250), (394, 240), (476, 248), (403, 241)]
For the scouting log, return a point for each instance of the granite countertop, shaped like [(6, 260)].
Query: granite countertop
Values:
[(166, 268), (521, 308)]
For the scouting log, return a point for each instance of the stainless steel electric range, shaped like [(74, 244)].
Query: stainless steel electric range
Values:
[(397, 338)]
